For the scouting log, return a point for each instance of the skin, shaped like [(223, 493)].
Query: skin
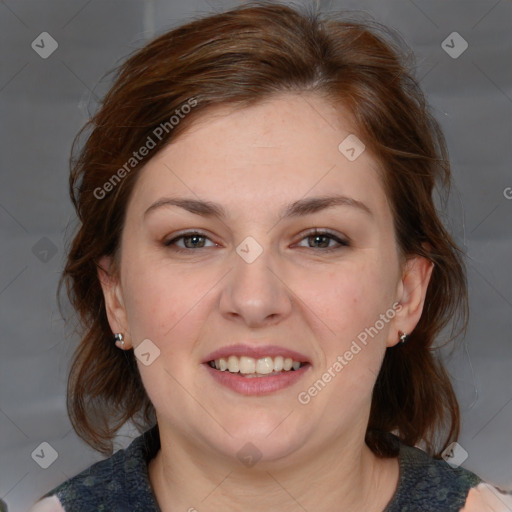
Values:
[(254, 162)]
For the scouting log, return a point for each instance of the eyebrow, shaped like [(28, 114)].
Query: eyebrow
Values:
[(298, 208)]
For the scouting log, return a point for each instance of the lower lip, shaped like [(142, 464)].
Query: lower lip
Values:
[(257, 385)]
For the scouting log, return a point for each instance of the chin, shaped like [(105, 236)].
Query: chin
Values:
[(262, 441)]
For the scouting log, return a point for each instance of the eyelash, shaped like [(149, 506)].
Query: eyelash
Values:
[(313, 233)]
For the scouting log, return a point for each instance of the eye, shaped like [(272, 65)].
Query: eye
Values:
[(323, 239), (191, 240), (320, 239)]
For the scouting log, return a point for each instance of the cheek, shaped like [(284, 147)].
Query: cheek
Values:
[(350, 301), (353, 356), (168, 307), (162, 300), (352, 297)]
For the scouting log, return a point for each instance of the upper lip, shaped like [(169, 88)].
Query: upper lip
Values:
[(256, 352)]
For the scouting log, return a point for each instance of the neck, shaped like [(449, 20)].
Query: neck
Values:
[(345, 476)]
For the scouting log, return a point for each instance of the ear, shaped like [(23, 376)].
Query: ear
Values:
[(112, 292), (412, 291)]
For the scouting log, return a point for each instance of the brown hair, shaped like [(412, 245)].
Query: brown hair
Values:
[(238, 58)]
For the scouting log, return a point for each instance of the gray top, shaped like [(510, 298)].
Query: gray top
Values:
[(121, 482)]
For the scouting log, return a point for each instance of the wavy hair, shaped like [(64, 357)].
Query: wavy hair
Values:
[(241, 57)]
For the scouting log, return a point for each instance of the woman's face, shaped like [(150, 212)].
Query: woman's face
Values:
[(257, 283)]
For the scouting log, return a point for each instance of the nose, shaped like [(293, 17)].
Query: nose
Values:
[(255, 293)]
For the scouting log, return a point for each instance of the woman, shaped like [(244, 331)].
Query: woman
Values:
[(261, 275)]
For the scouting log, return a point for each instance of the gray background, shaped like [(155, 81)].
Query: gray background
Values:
[(44, 102)]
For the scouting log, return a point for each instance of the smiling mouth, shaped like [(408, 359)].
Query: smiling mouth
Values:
[(250, 367)]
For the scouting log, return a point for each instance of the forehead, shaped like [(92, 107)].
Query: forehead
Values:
[(259, 157)]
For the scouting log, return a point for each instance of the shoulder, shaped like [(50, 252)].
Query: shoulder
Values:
[(486, 498), (51, 504), (418, 464), (120, 482), (430, 484)]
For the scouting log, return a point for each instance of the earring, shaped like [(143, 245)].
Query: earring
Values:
[(119, 340), (403, 337)]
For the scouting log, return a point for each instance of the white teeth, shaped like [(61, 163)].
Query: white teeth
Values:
[(254, 367), (232, 364), (247, 365), (278, 363), (265, 366)]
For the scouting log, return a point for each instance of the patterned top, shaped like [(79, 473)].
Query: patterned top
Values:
[(121, 482)]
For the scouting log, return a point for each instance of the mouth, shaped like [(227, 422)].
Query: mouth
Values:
[(250, 367), (256, 370)]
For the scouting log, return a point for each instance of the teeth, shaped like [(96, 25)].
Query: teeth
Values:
[(253, 367), (247, 365), (265, 365), (233, 366)]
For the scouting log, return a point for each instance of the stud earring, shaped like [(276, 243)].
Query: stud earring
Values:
[(403, 337), (119, 340)]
